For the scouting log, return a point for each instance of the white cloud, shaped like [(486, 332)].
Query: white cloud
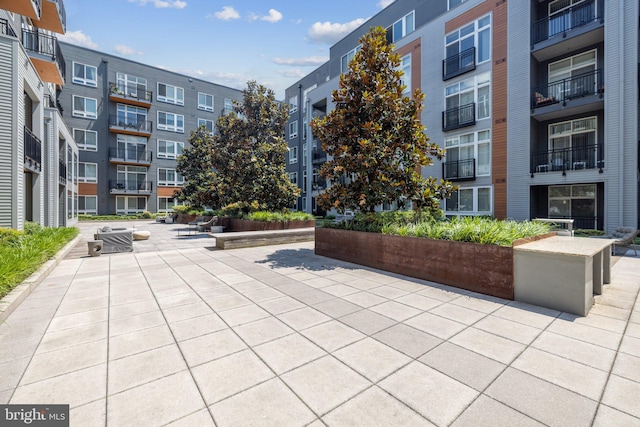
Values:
[(384, 3), (296, 74), (273, 16), (162, 4), (226, 14), (307, 61), (126, 50), (327, 32), (78, 38)]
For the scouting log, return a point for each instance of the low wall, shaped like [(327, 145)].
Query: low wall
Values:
[(247, 225), (486, 269)]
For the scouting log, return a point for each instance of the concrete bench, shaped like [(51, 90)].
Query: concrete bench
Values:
[(247, 239), (564, 221)]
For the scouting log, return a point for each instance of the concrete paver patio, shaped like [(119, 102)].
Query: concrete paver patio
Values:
[(178, 333)]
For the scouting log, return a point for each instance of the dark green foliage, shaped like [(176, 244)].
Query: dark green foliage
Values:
[(376, 137), (244, 162)]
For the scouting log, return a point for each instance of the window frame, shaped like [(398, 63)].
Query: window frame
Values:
[(170, 128), (205, 106), (404, 31), (475, 143), (475, 201), (82, 167), (167, 154), (176, 100), (84, 114), (293, 129), (293, 155), (167, 208), (85, 147), (293, 175), (464, 87), (86, 211), (84, 81), (347, 58), (126, 209), (293, 104), (206, 122), (176, 182), (477, 29)]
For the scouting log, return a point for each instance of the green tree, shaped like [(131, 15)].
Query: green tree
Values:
[(244, 161), (376, 137)]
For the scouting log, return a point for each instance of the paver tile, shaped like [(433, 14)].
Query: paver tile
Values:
[(493, 346), (289, 352), (281, 305), (627, 366), (212, 346), (435, 325), (367, 321), (458, 313), (486, 412), (508, 329), (12, 371), (263, 330), (630, 345), (419, 301), (388, 291), (332, 335), (303, 318), (622, 394), (135, 323), (586, 333), (576, 350), (364, 299), (337, 307), (264, 294), (244, 314), (606, 417), (395, 310), (408, 340), (527, 314), (90, 414), (197, 326), (188, 311), (73, 336), (139, 341), (372, 359), (201, 418)]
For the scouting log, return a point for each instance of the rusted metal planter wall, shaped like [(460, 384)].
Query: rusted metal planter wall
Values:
[(246, 225), (480, 268)]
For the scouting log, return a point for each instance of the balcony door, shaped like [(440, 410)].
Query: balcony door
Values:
[(573, 144), (573, 77), (577, 202), (567, 14), (132, 148), (132, 178)]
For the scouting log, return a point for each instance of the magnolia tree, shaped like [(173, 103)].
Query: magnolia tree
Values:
[(376, 138), (244, 162)]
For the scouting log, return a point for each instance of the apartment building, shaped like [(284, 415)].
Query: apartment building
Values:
[(38, 156), (131, 121), (529, 129)]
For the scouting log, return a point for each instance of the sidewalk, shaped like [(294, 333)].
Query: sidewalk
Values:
[(180, 333)]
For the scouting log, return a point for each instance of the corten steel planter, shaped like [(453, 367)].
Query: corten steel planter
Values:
[(486, 269), (247, 225)]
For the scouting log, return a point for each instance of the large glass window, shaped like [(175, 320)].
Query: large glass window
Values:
[(293, 129), (465, 93), (87, 172), (573, 76), (85, 74), (574, 201), (293, 154), (133, 86), (130, 205), (405, 67), (461, 149), (131, 116), (171, 122), (166, 204), (169, 177), (208, 124), (401, 28), (561, 18), (293, 104), (293, 177), (86, 139), (228, 105), (132, 148), (132, 178), (169, 149), (476, 34), (170, 94), (572, 144), (470, 201), (344, 61), (205, 101), (88, 205), (85, 107)]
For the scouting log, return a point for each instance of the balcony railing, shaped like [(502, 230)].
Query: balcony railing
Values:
[(459, 117), (459, 64), (44, 44), (567, 20), (574, 158), (319, 184), (53, 103), (319, 156), (579, 86), (130, 155), (62, 172), (32, 149), (6, 29), (459, 170), (139, 93), (129, 122), (130, 187)]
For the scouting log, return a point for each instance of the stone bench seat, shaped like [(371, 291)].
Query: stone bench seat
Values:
[(246, 239)]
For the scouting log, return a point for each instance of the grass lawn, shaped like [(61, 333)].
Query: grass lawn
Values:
[(23, 252)]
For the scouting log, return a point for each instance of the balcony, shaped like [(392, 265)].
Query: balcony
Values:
[(6, 28), (53, 17), (45, 54), (459, 117), (32, 151), (318, 184), (459, 64), (30, 8), (130, 187), (129, 125), (574, 95), (137, 95), (51, 102), (318, 156), (130, 156), (576, 27), (62, 172), (568, 159), (459, 170)]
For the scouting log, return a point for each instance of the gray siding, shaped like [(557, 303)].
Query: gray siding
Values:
[(7, 130)]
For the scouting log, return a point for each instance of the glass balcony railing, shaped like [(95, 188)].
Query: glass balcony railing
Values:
[(130, 122), (130, 187)]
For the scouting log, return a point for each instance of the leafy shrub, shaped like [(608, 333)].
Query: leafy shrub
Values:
[(146, 215), (581, 232), (278, 216), (9, 236)]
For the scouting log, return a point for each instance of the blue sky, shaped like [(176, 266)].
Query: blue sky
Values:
[(275, 42)]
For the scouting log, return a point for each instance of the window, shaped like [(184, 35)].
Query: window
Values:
[(463, 149), (405, 67), (130, 205), (171, 122), (470, 201), (574, 201), (293, 154), (169, 177), (401, 28), (304, 128), (87, 172), (208, 124), (170, 94), (454, 3), (465, 93), (347, 58), (572, 144), (476, 34), (574, 76), (293, 177), (132, 148), (293, 104), (169, 149), (205, 101), (86, 139), (293, 129), (166, 204), (228, 105), (132, 117), (85, 107), (133, 178), (135, 87), (85, 74), (88, 205), (561, 18)]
